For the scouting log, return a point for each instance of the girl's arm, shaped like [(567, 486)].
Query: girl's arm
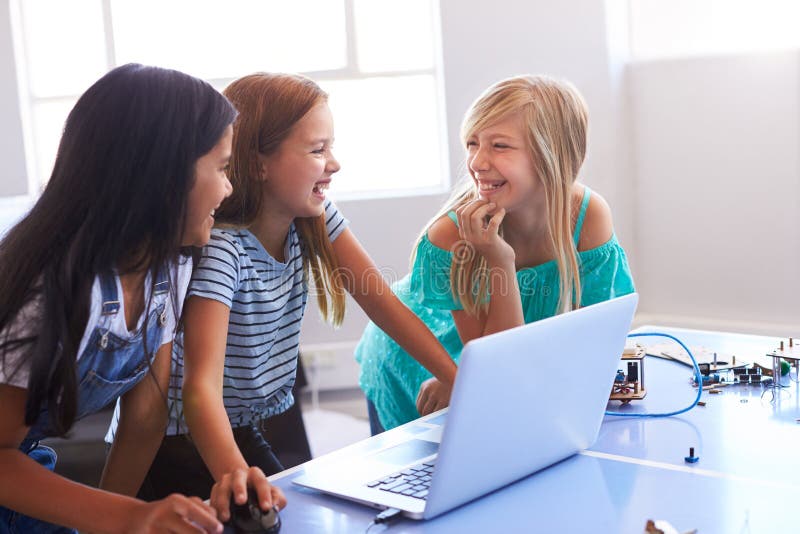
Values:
[(205, 335), (142, 420), (33, 490), (505, 305), (370, 290), (205, 338)]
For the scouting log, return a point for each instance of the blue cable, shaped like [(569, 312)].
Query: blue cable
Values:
[(698, 378)]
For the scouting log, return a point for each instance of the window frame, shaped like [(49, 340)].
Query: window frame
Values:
[(37, 178)]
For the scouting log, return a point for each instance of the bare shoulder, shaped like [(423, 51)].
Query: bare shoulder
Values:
[(598, 225), (443, 233)]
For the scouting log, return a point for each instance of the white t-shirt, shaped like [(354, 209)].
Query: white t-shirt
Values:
[(14, 374)]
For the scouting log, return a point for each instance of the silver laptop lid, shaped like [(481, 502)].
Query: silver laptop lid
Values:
[(526, 398)]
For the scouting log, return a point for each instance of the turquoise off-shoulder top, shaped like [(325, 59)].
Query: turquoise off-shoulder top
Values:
[(391, 378)]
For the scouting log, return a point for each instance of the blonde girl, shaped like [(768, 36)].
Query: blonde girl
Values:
[(519, 240)]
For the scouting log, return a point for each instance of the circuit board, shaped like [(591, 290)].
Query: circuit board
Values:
[(671, 351)]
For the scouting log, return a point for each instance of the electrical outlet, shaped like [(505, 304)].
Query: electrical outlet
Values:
[(320, 359), (330, 366)]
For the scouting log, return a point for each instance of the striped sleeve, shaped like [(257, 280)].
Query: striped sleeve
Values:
[(216, 276), (334, 221)]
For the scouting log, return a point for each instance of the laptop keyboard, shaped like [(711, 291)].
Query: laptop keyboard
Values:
[(414, 481)]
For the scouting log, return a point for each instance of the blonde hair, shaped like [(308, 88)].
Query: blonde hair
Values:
[(556, 120), (269, 105)]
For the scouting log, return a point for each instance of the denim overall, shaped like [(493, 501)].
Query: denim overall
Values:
[(108, 367)]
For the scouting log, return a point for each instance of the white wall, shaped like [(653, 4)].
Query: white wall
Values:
[(717, 171), (13, 177)]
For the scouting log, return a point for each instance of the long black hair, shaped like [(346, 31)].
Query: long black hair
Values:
[(117, 199)]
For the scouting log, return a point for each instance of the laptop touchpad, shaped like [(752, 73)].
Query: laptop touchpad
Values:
[(414, 449)]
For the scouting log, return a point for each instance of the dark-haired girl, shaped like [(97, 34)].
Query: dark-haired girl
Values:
[(91, 285)]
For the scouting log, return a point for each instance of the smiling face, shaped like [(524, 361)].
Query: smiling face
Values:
[(211, 186), (297, 174), (501, 164)]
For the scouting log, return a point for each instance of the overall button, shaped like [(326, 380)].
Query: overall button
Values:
[(162, 319), (103, 343)]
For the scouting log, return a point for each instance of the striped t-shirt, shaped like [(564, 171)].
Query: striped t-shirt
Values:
[(267, 299)]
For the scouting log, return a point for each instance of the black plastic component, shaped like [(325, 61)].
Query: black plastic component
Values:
[(249, 518)]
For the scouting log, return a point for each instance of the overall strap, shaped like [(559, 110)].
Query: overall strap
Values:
[(587, 193), (161, 287), (162, 281), (108, 288)]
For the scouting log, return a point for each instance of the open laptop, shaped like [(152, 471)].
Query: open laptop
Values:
[(523, 400)]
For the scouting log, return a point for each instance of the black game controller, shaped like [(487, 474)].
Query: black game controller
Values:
[(249, 518)]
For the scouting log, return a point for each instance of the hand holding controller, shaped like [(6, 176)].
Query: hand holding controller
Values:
[(249, 518)]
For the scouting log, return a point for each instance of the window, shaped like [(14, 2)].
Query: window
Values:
[(661, 28), (378, 60)]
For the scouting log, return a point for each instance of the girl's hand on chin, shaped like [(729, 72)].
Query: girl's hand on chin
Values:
[(479, 224)]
